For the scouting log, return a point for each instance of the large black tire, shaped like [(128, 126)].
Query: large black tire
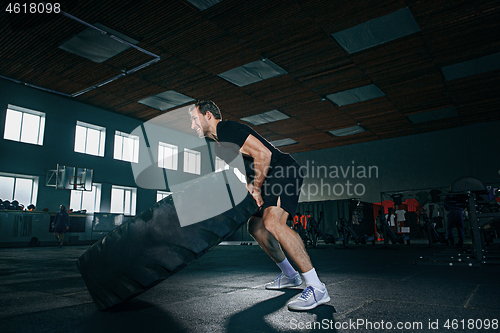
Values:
[(153, 246)]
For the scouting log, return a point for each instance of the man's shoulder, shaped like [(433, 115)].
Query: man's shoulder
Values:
[(233, 131), (230, 127), (230, 124)]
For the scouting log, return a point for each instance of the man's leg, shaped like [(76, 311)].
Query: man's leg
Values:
[(274, 220), (265, 239), (289, 277), (315, 294), (451, 238)]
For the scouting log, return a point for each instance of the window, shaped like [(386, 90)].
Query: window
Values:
[(88, 200), (192, 161), (240, 176), (24, 125), (89, 139), (24, 189), (161, 194), (167, 156), (123, 200), (220, 165), (126, 147)]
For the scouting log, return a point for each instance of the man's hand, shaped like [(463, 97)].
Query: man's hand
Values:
[(255, 192)]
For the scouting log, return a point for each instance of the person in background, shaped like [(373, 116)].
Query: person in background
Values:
[(61, 225), (391, 219), (455, 207)]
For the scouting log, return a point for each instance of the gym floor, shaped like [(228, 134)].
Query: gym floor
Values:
[(372, 288)]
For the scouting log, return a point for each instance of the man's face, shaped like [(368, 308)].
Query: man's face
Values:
[(199, 123)]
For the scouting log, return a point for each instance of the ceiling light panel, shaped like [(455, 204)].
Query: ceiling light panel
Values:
[(252, 72), (347, 131), (283, 142), (203, 4), (472, 67), (266, 117), (355, 95), (96, 46), (433, 115), (166, 100), (377, 31)]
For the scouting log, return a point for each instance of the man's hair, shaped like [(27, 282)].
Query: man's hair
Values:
[(205, 106)]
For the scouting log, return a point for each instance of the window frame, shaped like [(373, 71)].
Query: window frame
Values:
[(24, 111), (135, 148), (187, 154), (132, 204), (160, 195), (87, 127), (34, 187), (96, 190), (241, 176), (175, 155), (220, 164)]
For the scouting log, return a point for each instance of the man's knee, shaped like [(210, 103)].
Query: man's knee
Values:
[(254, 225), (273, 219)]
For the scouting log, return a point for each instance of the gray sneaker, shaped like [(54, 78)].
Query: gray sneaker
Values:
[(310, 298), (283, 281)]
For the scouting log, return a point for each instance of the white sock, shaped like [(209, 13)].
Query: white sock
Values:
[(312, 279), (286, 268)]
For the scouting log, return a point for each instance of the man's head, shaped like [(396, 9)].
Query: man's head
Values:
[(204, 117), (208, 106)]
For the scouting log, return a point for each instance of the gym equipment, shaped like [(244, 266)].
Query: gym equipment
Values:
[(315, 232), (389, 234), (470, 191), (309, 231), (157, 243), (427, 225), (347, 232), (475, 189)]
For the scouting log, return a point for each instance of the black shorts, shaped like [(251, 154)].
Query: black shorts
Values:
[(284, 182)]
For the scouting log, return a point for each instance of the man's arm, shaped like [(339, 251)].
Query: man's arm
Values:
[(55, 221), (262, 159)]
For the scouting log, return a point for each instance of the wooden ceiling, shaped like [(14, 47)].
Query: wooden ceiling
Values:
[(197, 45)]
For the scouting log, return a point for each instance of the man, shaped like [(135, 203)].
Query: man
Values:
[(61, 224), (274, 180)]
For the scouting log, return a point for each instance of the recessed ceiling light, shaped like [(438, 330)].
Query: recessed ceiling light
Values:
[(203, 4), (256, 71), (472, 67), (347, 131), (266, 117), (96, 46), (166, 100), (377, 31), (355, 95), (283, 142), (433, 115)]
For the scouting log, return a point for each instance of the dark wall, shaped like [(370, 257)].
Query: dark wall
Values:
[(412, 162)]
